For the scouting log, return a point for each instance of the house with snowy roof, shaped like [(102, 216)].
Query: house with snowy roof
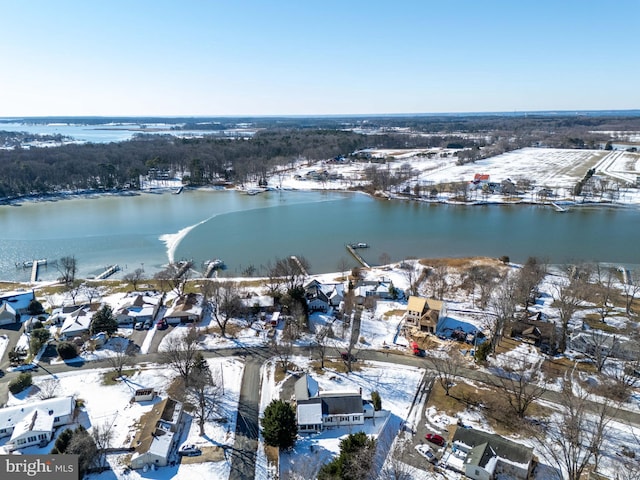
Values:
[(138, 308), (317, 410), (7, 314), (186, 309), (425, 313), (35, 423), (78, 322), (322, 296), (486, 456), (158, 433)]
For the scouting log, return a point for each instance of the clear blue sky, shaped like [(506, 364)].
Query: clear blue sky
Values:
[(299, 57)]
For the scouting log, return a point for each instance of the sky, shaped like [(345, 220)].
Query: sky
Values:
[(311, 57)]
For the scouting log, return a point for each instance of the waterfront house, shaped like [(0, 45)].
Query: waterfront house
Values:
[(186, 309), (7, 314), (425, 313), (322, 296), (78, 322), (138, 308), (486, 456), (35, 423), (157, 435)]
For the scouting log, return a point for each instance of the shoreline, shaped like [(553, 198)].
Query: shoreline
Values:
[(89, 194)]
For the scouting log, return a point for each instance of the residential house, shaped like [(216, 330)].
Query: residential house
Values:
[(138, 308), (7, 314), (317, 410), (35, 423), (186, 309), (425, 313), (535, 332), (322, 296), (599, 344), (78, 322), (379, 289), (480, 178), (486, 456), (19, 300), (158, 434)]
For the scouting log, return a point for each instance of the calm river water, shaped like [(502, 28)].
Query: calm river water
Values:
[(149, 229)]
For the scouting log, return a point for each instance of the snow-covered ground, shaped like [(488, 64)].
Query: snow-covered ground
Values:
[(556, 169)]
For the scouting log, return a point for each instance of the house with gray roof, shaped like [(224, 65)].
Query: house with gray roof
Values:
[(317, 410), (486, 456)]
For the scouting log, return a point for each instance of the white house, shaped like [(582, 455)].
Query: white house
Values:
[(7, 314), (76, 323), (35, 423), (138, 308), (317, 410), (158, 433)]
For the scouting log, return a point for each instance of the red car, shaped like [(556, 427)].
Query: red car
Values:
[(435, 438)]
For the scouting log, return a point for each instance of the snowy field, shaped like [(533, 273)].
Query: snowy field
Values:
[(556, 169)]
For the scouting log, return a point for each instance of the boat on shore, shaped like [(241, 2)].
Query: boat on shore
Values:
[(359, 245)]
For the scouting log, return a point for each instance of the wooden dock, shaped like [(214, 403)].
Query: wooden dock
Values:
[(34, 269), (357, 256), (302, 269), (108, 272)]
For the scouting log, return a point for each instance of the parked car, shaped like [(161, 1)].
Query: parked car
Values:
[(189, 450), (435, 438), (426, 452), (161, 324)]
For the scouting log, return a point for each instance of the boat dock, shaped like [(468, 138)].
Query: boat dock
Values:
[(212, 266), (559, 208), (184, 267), (302, 269), (108, 272), (357, 256), (35, 265)]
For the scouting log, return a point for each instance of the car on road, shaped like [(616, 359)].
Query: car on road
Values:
[(426, 452), (435, 439), (189, 450)]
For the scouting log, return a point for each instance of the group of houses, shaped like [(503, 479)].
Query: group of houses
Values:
[(35, 424)]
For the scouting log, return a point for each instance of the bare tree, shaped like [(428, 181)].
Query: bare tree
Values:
[(484, 279), (122, 355), (575, 437), (321, 340), (411, 276), (179, 352), (67, 267), (604, 292), (283, 350), (202, 393), (102, 435), (437, 279), (527, 280), (135, 277), (567, 300), (446, 368), (174, 277), (503, 307), (521, 382), (630, 289), (228, 303), (48, 388), (90, 292)]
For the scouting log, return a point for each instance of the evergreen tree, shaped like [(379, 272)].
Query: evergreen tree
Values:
[(279, 426), (103, 321)]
